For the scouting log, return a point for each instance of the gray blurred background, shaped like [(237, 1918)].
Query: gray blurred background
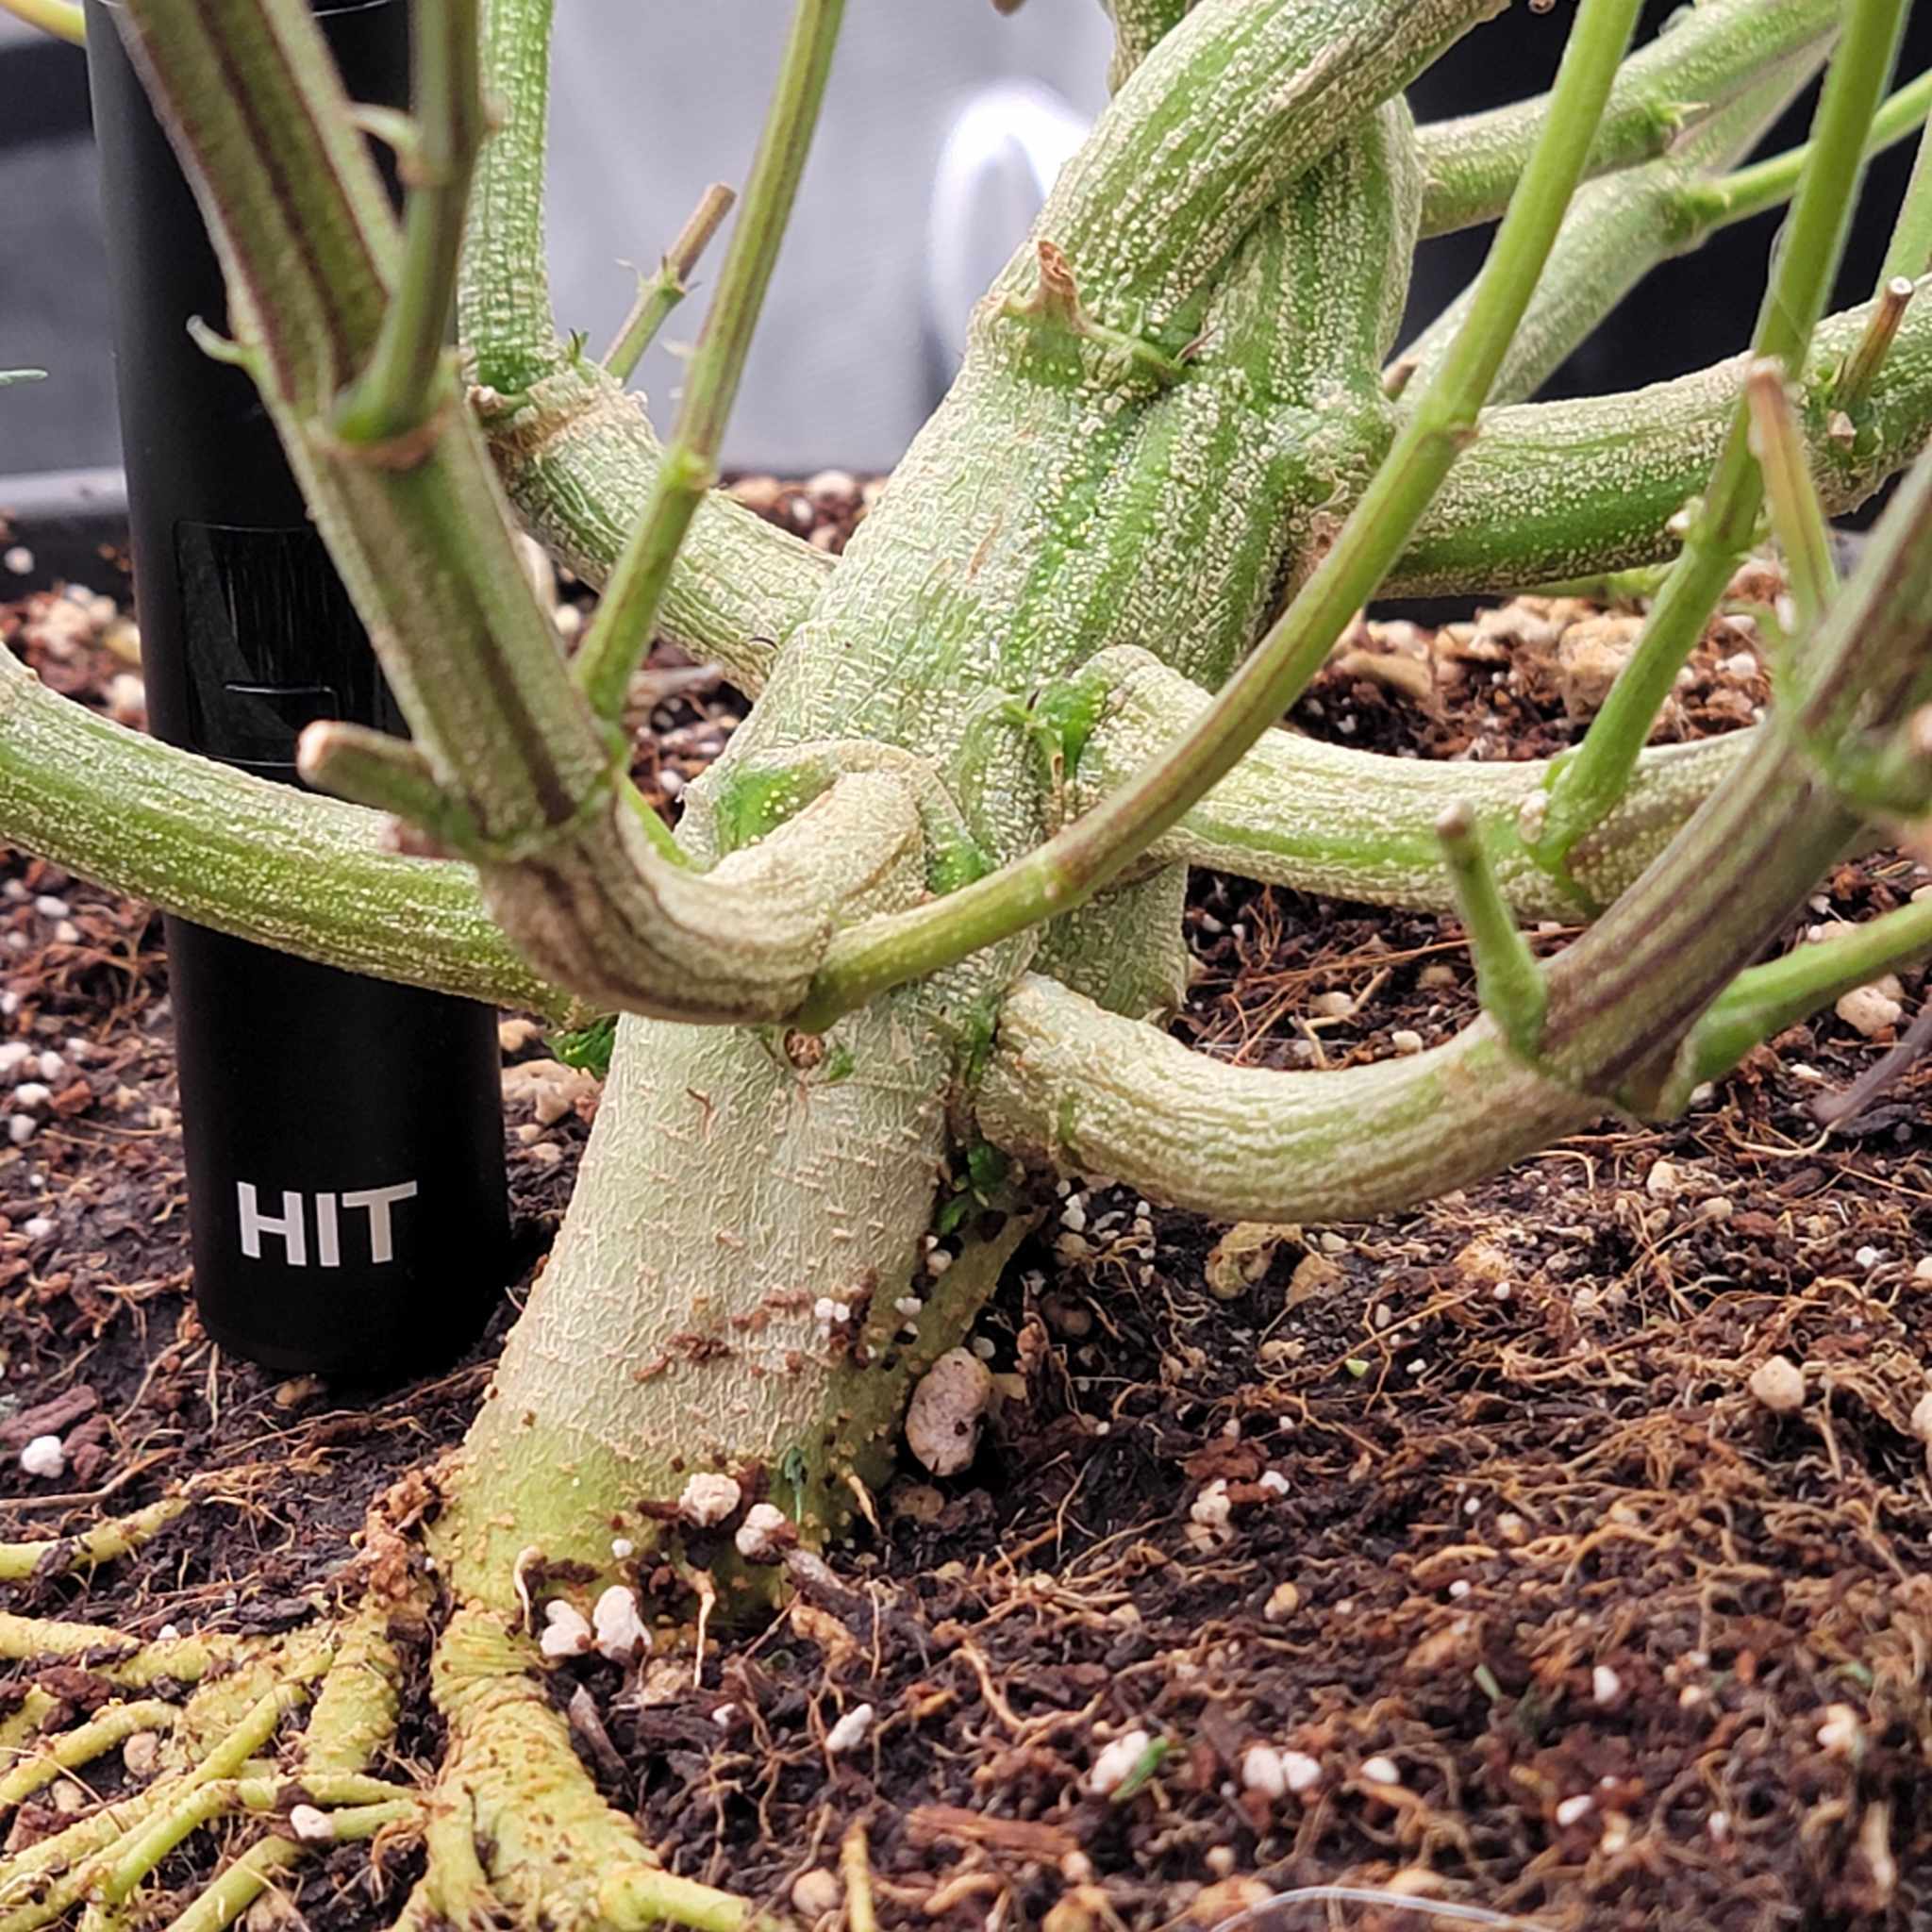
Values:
[(652, 100), (931, 101)]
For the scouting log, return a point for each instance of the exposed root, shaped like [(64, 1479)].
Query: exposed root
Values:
[(62, 1555), (213, 1763), (515, 1818), (111, 1727), (115, 1656)]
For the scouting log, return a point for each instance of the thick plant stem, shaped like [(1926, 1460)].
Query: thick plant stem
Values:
[(1220, 119), (1562, 491), (1081, 860), (310, 876), (1617, 230), (1322, 817), (576, 454), (536, 793), (1720, 530), (1691, 69), (503, 286), (1093, 1093), (627, 618)]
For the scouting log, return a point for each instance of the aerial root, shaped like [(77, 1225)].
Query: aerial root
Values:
[(515, 1818), (60, 1556)]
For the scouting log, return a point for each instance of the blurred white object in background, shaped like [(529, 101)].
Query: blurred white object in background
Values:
[(653, 99), (1002, 153)]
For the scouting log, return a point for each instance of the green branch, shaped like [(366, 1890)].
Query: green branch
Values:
[(1089, 1091), (659, 292), (1566, 491), (1617, 230), (1079, 860), (627, 618), (503, 289), (1763, 1000), (1772, 182), (408, 375), (1207, 134), (1509, 983), (1721, 529), (1690, 70), (1323, 818), (266, 862), (576, 454)]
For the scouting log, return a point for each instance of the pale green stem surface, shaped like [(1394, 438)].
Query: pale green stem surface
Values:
[(401, 387), (1693, 67), (1560, 491), (1081, 860), (1772, 182), (1617, 230), (1590, 782)]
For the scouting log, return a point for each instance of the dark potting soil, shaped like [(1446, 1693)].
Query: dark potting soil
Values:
[(1470, 1517)]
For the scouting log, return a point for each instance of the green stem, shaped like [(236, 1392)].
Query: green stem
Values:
[(1509, 983), (1563, 490), (1589, 783), (1079, 860), (60, 18), (1617, 230), (1688, 71), (1763, 1000), (1910, 253), (399, 390), (1797, 518), (627, 618), (660, 293), (1772, 182), (1322, 817), (271, 863)]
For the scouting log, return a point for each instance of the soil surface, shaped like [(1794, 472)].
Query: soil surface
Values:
[(1454, 1554)]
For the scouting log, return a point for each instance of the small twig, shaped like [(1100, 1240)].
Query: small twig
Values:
[(658, 294), (1509, 979), (627, 617), (1881, 331), (1796, 515), (1835, 1110)]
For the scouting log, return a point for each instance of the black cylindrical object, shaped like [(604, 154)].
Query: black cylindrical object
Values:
[(343, 1136)]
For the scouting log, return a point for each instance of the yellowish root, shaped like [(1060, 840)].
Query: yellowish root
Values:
[(515, 1818), (62, 1555)]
